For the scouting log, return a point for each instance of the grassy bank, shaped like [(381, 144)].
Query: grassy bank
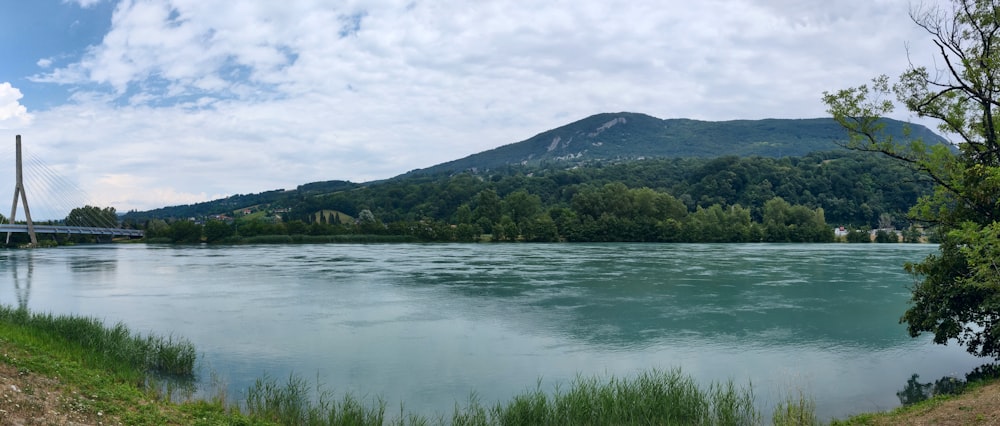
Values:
[(69, 369), (62, 369), (114, 348), (978, 404)]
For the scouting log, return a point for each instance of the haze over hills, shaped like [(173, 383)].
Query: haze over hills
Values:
[(614, 137), (629, 136)]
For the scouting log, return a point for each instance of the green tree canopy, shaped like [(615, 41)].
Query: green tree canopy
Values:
[(92, 216), (958, 295), (217, 230)]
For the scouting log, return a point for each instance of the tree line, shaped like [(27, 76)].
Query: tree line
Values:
[(851, 188), (727, 199), (611, 213)]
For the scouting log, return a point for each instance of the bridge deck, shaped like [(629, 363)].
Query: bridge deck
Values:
[(73, 230)]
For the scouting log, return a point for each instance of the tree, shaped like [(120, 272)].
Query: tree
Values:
[(368, 224), (520, 206), (91, 216), (958, 291), (487, 206), (185, 232), (505, 230), (541, 229), (217, 230)]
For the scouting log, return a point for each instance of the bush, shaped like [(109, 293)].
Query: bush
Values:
[(859, 236)]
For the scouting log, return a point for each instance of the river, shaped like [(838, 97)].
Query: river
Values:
[(429, 324)]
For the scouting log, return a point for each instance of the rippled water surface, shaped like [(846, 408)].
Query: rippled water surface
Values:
[(429, 324)]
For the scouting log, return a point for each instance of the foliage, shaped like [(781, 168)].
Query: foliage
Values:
[(883, 236), (786, 223), (859, 236), (217, 231), (185, 232), (958, 295), (92, 216), (230, 204), (669, 200), (612, 212), (851, 188)]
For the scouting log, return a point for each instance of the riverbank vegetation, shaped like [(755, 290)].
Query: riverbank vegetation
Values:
[(112, 375), (62, 369), (66, 369), (613, 213), (728, 199)]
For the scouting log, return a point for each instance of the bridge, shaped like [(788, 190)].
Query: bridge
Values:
[(73, 230), (31, 229)]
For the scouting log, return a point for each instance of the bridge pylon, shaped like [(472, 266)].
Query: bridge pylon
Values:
[(19, 191)]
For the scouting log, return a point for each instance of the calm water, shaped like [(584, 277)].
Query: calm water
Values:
[(429, 324)]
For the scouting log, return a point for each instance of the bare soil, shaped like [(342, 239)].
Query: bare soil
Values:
[(30, 399), (980, 406)]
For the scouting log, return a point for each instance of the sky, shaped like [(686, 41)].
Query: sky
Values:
[(142, 104)]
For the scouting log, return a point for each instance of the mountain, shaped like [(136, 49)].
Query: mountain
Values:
[(616, 137), (629, 136)]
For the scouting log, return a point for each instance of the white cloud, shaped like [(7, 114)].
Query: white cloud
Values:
[(13, 115), (83, 3), (192, 97)]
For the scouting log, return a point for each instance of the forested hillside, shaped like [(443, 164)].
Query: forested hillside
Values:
[(608, 177), (852, 188), (668, 199)]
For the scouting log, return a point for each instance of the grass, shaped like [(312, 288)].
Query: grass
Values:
[(797, 411), (115, 348), (293, 404), (654, 397), (895, 416), (99, 372)]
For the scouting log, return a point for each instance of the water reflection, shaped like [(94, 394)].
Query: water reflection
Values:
[(104, 268), (21, 276), (914, 391)]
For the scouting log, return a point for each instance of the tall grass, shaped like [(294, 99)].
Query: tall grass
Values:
[(655, 397), (111, 347), (795, 411), (296, 403)]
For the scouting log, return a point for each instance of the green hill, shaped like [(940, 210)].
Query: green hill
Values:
[(631, 136), (619, 138)]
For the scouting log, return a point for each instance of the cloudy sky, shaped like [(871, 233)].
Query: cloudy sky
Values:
[(149, 103)]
